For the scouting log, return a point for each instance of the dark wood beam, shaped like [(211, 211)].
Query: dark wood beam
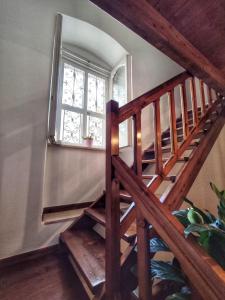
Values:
[(148, 23)]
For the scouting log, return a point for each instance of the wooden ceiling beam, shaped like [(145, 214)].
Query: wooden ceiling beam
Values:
[(142, 18)]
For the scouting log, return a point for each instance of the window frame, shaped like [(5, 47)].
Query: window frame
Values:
[(81, 64), (126, 61), (55, 99)]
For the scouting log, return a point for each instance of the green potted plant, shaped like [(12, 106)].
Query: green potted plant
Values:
[(209, 231)]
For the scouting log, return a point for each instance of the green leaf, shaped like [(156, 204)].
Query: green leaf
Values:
[(195, 228), (184, 294), (204, 239), (157, 244), (219, 224), (204, 215), (166, 271), (221, 211), (221, 196), (188, 201), (211, 238), (199, 228), (217, 248), (181, 215), (179, 296), (194, 217), (216, 191), (210, 216)]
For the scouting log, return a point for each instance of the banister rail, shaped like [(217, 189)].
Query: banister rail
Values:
[(142, 101), (204, 273)]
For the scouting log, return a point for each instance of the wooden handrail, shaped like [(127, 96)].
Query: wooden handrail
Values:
[(142, 101), (202, 271), (205, 274)]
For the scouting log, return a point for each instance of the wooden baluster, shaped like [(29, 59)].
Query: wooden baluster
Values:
[(173, 123), (210, 96), (202, 97), (143, 256), (158, 138), (194, 100), (112, 205), (184, 110), (137, 144)]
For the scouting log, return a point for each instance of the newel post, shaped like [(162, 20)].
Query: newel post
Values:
[(112, 205)]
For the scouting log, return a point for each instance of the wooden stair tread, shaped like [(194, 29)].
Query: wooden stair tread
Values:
[(98, 214), (124, 195), (63, 216), (179, 137), (131, 232), (87, 249)]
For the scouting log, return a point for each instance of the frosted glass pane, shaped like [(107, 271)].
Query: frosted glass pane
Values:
[(95, 128), (73, 86), (96, 94), (123, 134), (71, 127)]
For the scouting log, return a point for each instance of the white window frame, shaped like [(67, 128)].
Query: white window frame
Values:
[(82, 64), (56, 77)]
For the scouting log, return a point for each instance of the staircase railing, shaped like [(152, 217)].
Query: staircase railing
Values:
[(203, 272)]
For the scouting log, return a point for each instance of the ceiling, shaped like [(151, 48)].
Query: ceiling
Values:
[(188, 31), (202, 22)]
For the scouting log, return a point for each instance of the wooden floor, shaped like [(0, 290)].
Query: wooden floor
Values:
[(47, 278)]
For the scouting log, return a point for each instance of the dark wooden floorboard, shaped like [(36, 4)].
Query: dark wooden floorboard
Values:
[(47, 278)]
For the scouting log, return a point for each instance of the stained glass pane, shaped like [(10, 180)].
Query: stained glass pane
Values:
[(96, 94), (71, 127), (73, 86), (68, 84), (95, 128)]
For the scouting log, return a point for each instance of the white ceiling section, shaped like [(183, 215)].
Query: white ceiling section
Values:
[(92, 39)]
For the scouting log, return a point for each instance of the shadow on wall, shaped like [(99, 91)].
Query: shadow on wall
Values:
[(73, 175), (22, 153)]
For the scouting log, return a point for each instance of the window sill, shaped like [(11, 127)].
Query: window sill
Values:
[(83, 147)]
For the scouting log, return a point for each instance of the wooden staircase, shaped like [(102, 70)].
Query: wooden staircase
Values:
[(85, 243), (101, 243)]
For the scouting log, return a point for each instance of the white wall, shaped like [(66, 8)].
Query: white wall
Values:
[(150, 68), (213, 170), (26, 39)]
